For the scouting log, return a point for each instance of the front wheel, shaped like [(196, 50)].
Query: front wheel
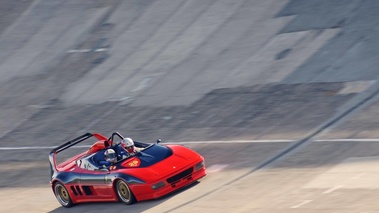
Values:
[(62, 195), (124, 193)]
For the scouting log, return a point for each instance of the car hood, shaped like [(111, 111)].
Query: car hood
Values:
[(181, 159)]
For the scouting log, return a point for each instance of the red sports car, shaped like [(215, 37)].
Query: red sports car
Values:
[(153, 172)]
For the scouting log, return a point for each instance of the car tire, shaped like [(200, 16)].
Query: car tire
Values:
[(124, 194), (62, 195)]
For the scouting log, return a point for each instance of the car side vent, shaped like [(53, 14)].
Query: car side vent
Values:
[(87, 190), (78, 189), (74, 190), (176, 178)]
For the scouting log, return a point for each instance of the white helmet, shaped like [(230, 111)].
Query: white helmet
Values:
[(110, 155), (128, 145), (127, 142)]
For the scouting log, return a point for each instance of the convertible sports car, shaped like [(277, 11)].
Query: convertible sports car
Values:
[(153, 172)]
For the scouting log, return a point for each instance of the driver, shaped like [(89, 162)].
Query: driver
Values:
[(126, 148), (107, 159)]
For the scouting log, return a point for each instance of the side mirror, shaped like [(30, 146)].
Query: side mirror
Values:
[(159, 140), (106, 143)]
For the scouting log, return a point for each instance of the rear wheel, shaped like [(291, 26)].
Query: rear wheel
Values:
[(62, 195), (124, 193)]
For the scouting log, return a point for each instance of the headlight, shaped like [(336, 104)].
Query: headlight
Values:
[(199, 165), (158, 185)]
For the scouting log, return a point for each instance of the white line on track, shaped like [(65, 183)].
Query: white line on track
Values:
[(36, 147), (87, 50), (183, 142), (79, 51), (301, 204), (232, 141), (100, 50), (205, 142), (332, 189), (216, 168), (349, 140)]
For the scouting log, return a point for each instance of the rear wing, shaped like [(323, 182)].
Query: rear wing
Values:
[(71, 143), (68, 144)]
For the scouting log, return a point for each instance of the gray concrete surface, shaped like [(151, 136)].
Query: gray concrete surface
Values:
[(236, 76)]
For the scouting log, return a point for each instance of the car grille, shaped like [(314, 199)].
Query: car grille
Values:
[(176, 178)]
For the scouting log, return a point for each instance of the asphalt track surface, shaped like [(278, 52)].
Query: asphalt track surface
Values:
[(280, 97)]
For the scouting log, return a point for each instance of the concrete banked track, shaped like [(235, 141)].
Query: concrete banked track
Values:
[(280, 97)]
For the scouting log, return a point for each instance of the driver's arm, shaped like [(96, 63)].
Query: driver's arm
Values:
[(104, 164)]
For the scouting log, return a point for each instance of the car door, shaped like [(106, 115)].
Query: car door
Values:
[(94, 184)]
